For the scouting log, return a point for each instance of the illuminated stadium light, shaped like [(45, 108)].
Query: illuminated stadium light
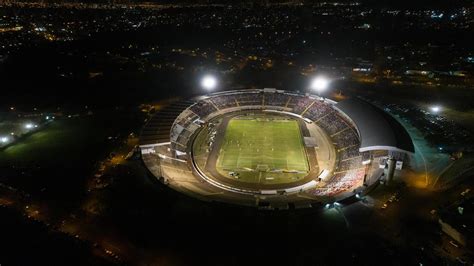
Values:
[(435, 109), (4, 139), (319, 84), (209, 82)]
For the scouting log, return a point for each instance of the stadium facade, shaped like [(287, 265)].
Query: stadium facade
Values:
[(350, 145)]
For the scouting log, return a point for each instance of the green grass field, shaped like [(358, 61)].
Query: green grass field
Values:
[(261, 149)]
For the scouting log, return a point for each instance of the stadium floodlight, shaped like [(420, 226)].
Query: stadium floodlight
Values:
[(209, 82), (29, 126), (435, 109), (4, 139), (319, 84)]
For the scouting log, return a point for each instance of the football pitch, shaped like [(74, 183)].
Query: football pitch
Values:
[(271, 149)]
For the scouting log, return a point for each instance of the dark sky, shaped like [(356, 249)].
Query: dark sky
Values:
[(379, 3)]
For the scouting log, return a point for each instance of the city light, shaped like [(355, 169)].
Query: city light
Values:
[(209, 82), (319, 84), (29, 126), (436, 109)]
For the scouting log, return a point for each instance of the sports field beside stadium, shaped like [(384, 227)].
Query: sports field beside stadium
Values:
[(263, 150)]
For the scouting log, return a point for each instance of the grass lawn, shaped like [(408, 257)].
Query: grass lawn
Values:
[(262, 150), (56, 161), (64, 142)]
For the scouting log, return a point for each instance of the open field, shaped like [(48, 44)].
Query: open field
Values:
[(55, 161), (263, 150)]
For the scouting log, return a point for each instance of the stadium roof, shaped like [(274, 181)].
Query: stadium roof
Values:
[(377, 129)]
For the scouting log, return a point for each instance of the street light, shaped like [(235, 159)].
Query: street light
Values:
[(319, 84), (209, 82), (4, 139)]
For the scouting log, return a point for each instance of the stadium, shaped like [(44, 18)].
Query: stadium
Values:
[(273, 149)]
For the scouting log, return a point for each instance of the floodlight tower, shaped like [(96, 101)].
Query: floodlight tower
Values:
[(209, 82), (319, 84)]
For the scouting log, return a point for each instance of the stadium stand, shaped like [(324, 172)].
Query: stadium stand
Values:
[(158, 127), (345, 138), (342, 132), (276, 99), (203, 108), (317, 110), (350, 152), (250, 99), (332, 123), (302, 103), (224, 101)]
